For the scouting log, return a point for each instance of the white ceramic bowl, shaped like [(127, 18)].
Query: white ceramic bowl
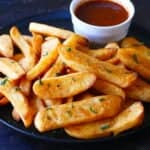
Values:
[(102, 34)]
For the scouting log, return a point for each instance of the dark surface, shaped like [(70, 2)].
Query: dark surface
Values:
[(12, 10)]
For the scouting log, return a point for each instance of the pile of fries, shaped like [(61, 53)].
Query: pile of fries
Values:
[(56, 80)]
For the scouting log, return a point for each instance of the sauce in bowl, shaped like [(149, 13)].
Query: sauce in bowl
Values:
[(101, 13)]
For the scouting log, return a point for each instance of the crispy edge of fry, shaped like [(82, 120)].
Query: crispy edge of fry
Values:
[(15, 115), (140, 90), (4, 101), (6, 46), (50, 118), (49, 30), (25, 86), (108, 88), (18, 57), (28, 39)]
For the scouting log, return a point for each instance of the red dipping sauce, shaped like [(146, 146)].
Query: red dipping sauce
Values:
[(101, 13)]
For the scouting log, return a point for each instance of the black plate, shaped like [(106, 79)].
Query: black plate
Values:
[(61, 18)]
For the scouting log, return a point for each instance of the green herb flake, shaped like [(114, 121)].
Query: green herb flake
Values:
[(4, 81), (45, 54), (135, 58), (73, 79), (49, 108), (108, 70), (101, 99), (40, 82), (69, 113), (17, 88), (58, 74), (104, 127), (93, 110), (68, 49)]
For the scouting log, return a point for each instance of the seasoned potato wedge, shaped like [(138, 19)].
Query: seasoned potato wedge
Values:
[(18, 100), (140, 90), (29, 61), (130, 42), (11, 68), (44, 88), (49, 30), (136, 60), (56, 69), (101, 54), (37, 41), (108, 88), (79, 61), (6, 46), (76, 41), (47, 59), (87, 110), (129, 118)]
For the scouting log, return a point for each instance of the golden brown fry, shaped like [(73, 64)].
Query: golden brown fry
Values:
[(108, 88), (28, 39), (129, 42), (37, 41), (18, 100), (56, 69), (87, 110), (129, 118), (136, 60), (76, 41), (140, 90), (81, 62), (101, 54), (6, 46), (49, 30), (51, 102), (15, 115), (3, 101), (29, 61), (112, 45), (11, 68), (47, 59), (81, 81), (25, 86)]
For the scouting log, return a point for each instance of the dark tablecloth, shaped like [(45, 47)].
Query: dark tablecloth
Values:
[(12, 10)]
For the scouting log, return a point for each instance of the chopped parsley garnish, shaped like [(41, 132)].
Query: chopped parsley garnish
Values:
[(93, 110), (69, 113), (108, 70), (4, 81), (49, 108), (73, 79), (104, 127), (17, 88), (40, 82), (45, 54), (135, 58), (68, 49), (101, 99), (58, 85), (58, 74)]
